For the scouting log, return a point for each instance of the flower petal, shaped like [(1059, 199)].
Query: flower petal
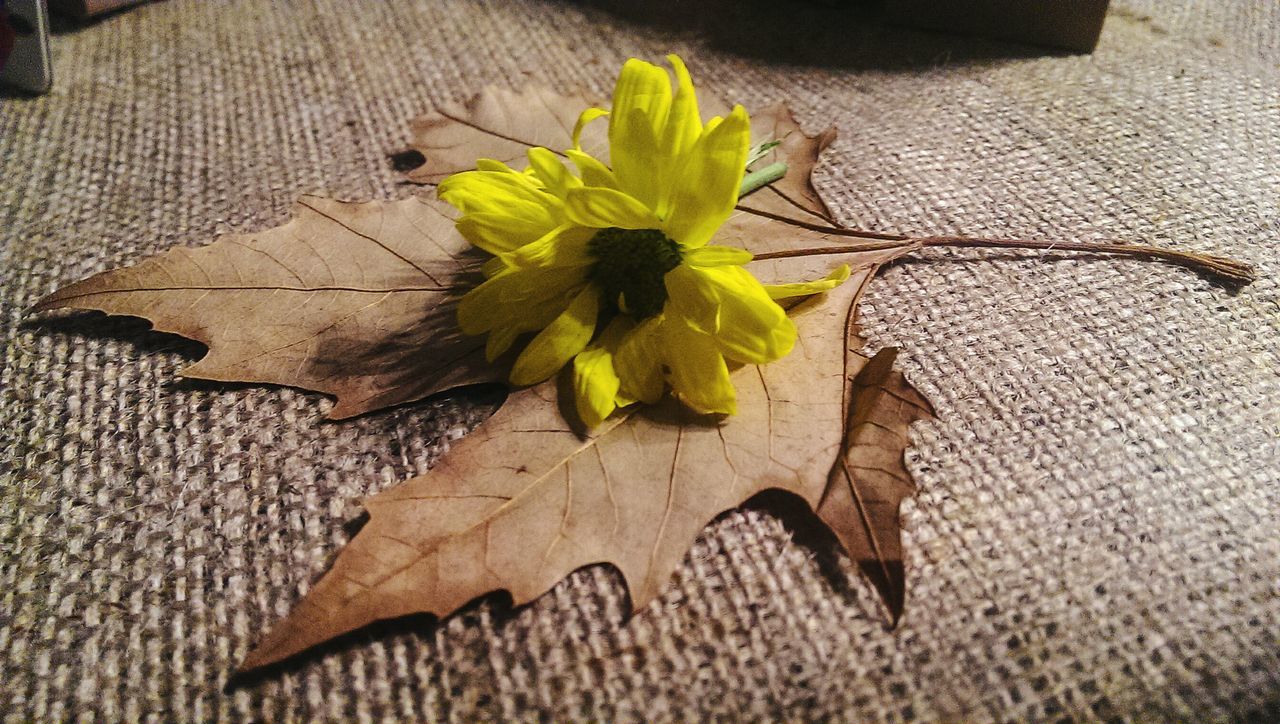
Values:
[(595, 383), (490, 164), (753, 328), (681, 132), (691, 295), (802, 289), (730, 304), (500, 340), (585, 118), (537, 284), (592, 170), (501, 211), (493, 267), (638, 362), (641, 101), (564, 246), (528, 296), (684, 122), (707, 190), (601, 208), (551, 172), (481, 191), (555, 345), (698, 374), (498, 233), (717, 256)]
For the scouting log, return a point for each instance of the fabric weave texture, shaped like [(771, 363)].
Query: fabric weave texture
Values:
[(1096, 529)]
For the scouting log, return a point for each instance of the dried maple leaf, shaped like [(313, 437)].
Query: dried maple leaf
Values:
[(792, 197), (499, 124), (525, 499), (870, 480), (355, 300)]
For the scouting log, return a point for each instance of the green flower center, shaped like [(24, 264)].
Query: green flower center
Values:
[(630, 265)]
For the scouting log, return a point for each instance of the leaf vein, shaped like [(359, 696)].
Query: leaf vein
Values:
[(362, 235)]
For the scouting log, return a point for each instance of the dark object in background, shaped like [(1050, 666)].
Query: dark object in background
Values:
[(24, 37), (1070, 24), (7, 36), (87, 8), (874, 34), (24, 46)]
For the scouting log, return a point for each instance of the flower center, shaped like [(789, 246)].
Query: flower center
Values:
[(630, 265)]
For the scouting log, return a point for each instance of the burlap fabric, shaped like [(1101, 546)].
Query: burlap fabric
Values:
[(1096, 528)]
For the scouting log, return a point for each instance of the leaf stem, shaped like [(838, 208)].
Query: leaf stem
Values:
[(763, 177), (825, 250), (1228, 270)]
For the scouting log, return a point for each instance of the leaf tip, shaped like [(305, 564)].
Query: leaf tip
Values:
[(889, 578), (45, 304), (59, 298), (257, 659), (300, 632), (269, 651), (345, 409)]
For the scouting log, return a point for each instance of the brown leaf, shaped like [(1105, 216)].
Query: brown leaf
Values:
[(525, 500), (870, 480), (355, 300), (499, 124), (794, 195), (789, 216)]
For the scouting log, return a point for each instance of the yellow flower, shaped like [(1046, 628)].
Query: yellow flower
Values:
[(611, 266)]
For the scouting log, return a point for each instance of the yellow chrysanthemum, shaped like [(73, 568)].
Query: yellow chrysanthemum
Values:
[(611, 265)]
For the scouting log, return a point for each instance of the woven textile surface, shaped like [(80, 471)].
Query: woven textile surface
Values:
[(1096, 529)]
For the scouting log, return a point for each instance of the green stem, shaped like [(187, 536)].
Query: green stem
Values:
[(762, 178)]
